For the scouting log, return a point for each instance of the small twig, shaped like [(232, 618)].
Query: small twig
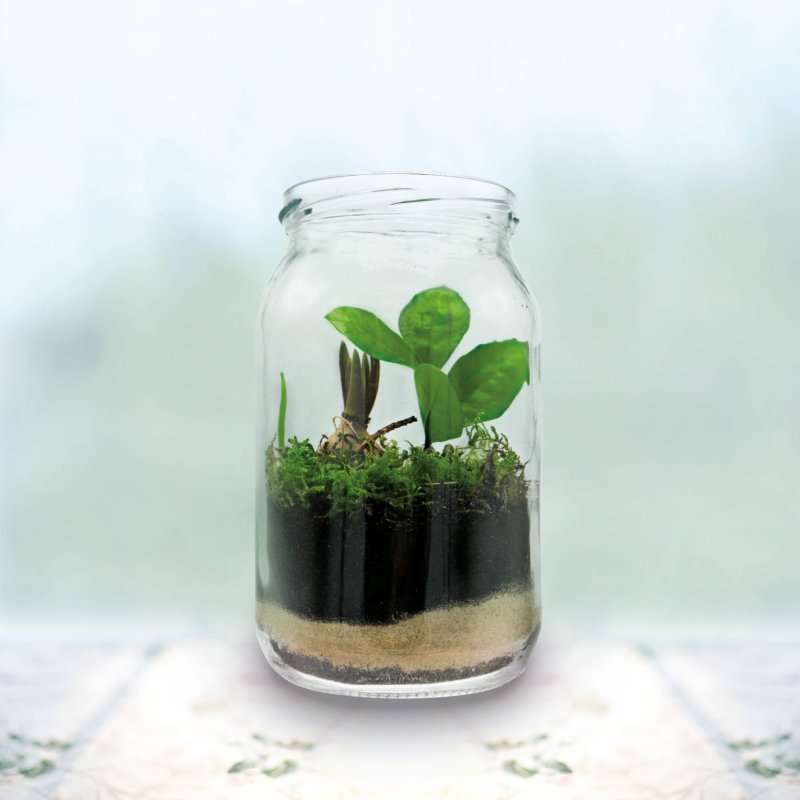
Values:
[(383, 431)]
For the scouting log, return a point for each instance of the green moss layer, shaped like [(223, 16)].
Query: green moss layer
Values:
[(485, 475)]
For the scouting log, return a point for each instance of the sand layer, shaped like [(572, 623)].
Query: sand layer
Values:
[(441, 644)]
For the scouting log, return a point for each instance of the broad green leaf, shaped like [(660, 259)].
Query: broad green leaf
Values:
[(489, 377), (369, 334), (433, 323), (439, 408)]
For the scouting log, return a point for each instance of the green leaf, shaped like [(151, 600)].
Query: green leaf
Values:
[(439, 408), (557, 766), (489, 377), (345, 362), (433, 323), (371, 335), (356, 400), (282, 415)]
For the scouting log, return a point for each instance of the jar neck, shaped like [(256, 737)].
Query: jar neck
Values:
[(408, 205)]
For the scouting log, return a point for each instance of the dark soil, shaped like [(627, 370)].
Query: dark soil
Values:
[(311, 665), (373, 567)]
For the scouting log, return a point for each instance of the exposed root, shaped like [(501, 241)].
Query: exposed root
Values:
[(346, 436)]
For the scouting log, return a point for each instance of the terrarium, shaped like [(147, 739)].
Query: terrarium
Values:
[(398, 439)]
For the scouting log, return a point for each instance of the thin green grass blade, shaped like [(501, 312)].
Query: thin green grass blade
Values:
[(282, 415)]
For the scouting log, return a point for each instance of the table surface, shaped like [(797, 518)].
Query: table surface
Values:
[(208, 719)]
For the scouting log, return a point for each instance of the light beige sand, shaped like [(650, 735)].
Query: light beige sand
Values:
[(444, 638)]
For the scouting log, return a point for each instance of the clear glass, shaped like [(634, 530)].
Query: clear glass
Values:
[(398, 440)]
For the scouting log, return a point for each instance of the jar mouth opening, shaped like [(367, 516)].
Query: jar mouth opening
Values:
[(393, 192)]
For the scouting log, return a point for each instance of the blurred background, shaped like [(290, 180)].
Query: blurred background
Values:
[(655, 151)]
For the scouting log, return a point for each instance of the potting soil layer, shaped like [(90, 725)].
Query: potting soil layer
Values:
[(441, 644), (370, 567)]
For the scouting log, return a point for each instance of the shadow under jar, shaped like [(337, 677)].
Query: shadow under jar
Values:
[(398, 440)]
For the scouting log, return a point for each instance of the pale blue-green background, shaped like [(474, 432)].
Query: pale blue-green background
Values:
[(655, 151)]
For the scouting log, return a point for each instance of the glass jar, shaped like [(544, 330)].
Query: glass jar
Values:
[(398, 439)]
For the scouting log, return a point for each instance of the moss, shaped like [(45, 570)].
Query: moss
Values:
[(485, 474)]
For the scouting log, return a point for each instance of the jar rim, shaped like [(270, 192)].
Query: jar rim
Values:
[(379, 180), (395, 189)]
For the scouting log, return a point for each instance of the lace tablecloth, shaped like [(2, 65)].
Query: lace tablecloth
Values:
[(208, 719)]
